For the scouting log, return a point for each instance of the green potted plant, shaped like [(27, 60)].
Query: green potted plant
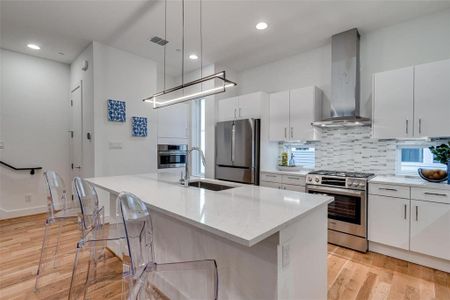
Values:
[(442, 154)]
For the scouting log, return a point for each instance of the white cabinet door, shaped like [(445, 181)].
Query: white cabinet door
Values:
[(296, 188), (301, 115), (392, 115), (432, 99), (388, 221), (279, 116), (173, 121), (274, 185), (227, 109), (249, 106), (430, 228)]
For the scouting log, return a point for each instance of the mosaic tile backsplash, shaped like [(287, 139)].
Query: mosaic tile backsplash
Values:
[(353, 149)]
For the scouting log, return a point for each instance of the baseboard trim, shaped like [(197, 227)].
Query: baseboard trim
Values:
[(14, 213), (417, 258)]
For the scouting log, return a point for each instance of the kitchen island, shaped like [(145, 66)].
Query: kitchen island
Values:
[(268, 243)]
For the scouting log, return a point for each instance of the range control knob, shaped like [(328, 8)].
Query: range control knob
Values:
[(309, 179), (317, 179)]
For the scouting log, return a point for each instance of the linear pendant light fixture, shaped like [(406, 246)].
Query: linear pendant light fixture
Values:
[(199, 88)]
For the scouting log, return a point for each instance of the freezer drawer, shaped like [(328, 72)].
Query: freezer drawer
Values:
[(243, 175)]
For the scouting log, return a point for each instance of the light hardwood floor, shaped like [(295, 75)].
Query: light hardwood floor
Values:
[(351, 275)]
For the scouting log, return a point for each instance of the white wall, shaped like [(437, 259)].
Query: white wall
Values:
[(35, 105), (123, 76), (416, 41)]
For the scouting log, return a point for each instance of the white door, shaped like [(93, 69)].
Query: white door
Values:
[(76, 105), (388, 221), (173, 121), (279, 116), (432, 99), (249, 106), (430, 228), (302, 114), (392, 115), (227, 109)]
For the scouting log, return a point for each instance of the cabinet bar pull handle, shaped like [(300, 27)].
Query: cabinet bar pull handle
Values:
[(240, 109), (407, 126), (405, 212), (420, 125), (270, 175), (417, 213), (285, 132), (435, 194), (295, 178), (388, 189), (292, 132), (235, 113)]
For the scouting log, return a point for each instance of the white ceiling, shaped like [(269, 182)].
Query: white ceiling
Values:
[(229, 34)]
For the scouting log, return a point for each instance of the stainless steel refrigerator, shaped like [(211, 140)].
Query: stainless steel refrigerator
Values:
[(237, 151)]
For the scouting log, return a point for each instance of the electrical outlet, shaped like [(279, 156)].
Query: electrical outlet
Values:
[(28, 198)]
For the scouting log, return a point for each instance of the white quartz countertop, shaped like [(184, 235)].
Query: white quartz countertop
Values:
[(410, 181), (298, 173), (246, 214)]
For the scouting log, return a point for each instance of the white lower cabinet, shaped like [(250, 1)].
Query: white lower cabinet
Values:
[(420, 224), (388, 221), (283, 182), (430, 228)]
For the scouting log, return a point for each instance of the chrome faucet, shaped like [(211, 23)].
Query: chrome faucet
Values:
[(185, 180)]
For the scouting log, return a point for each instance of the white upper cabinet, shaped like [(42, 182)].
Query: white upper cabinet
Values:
[(279, 116), (305, 108), (173, 121), (432, 99), (412, 102), (227, 109), (249, 105), (393, 104), (241, 107), (430, 228), (292, 112)]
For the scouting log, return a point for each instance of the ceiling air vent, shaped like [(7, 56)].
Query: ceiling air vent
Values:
[(159, 41)]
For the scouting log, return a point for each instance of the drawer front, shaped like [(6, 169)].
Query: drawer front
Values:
[(269, 184), (389, 190), (425, 194), (293, 179), (270, 177), (296, 188)]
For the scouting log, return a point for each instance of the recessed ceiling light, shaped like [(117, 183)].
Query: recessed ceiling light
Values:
[(33, 46), (193, 56), (261, 25)]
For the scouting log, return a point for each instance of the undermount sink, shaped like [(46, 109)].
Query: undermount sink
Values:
[(210, 186)]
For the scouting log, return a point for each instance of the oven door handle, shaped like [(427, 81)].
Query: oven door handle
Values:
[(338, 191)]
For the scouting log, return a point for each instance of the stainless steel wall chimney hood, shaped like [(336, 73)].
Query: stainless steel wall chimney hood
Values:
[(345, 98)]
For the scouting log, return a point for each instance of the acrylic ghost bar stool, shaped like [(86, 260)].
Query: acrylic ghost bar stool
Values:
[(91, 255), (61, 210), (147, 279)]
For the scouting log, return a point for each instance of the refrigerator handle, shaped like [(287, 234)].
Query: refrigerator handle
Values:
[(233, 141)]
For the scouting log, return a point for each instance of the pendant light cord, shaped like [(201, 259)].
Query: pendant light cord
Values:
[(182, 42), (201, 42), (165, 38)]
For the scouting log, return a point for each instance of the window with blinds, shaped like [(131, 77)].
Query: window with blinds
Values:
[(304, 156)]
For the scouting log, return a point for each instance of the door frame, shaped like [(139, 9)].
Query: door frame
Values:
[(78, 86)]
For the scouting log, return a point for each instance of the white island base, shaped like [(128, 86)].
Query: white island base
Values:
[(290, 264)]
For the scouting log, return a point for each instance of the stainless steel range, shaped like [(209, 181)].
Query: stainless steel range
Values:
[(347, 214)]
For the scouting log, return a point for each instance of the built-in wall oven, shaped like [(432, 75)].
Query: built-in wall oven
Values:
[(171, 156), (347, 214)]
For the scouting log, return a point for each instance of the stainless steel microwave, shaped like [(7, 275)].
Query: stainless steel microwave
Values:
[(171, 156)]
